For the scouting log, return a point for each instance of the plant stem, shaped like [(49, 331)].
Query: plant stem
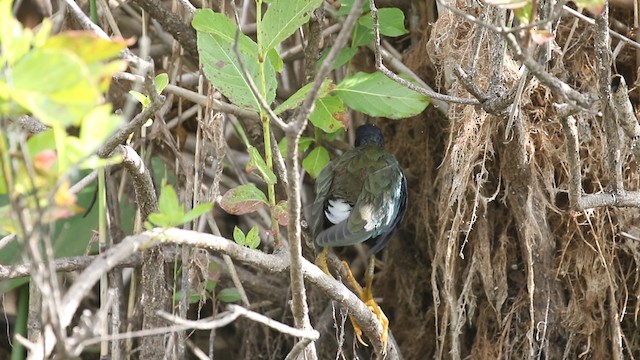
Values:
[(266, 126)]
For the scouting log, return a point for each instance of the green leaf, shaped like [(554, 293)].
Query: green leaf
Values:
[(243, 199), (275, 59), (256, 162), (97, 126), (344, 56), (347, 5), (210, 285), (376, 95), (216, 36), (142, 99), (282, 19), (87, 45), (54, 85), (197, 212), (524, 13), (192, 297), (229, 295), (238, 236), (40, 142), (253, 239), (15, 40), (162, 80), (329, 114), (361, 36), (316, 161), (168, 204), (171, 211), (391, 21), (298, 97), (303, 144)]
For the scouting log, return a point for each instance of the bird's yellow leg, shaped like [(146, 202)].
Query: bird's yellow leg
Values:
[(373, 306), (366, 295), (321, 260)]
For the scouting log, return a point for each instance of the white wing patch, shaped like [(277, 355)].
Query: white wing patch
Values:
[(366, 211), (337, 211), (392, 203)]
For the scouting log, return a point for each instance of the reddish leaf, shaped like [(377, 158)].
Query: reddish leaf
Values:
[(541, 36), (280, 213), (243, 200)]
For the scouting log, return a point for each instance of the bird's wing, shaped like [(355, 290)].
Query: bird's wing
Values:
[(401, 199), (323, 186), (376, 210)]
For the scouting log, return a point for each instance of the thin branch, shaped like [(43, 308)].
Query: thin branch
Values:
[(573, 159), (276, 325), (142, 182), (625, 114), (273, 263), (421, 90), (123, 133), (593, 22), (300, 308), (171, 22), (603, 55), (575, 98)]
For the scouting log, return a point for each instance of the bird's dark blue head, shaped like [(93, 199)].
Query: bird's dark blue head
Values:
[(369, 134)]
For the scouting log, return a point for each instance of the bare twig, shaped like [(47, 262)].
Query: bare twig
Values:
[(592, 22), (172, 23), (123, 133), (625, 114), (31, 124), (421, 90), (572, 96), (573, 159), (273, 263), (603, 69)]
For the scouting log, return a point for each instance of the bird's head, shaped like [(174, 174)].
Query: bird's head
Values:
[(369, 134)]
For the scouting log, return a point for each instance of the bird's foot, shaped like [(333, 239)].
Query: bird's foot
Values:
[(382, 319), (367, 297)]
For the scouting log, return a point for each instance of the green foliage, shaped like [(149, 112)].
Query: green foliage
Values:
[(61, 80), (303, 144), (376, 95), (330, 114), (256, 162), (344, 56), (390, 20), (206, 288), (171, 212), (251, 240), (298, 97), (161, 80), (216, 38), (229, 295), (280, 212), (316, 161), (282, 19)]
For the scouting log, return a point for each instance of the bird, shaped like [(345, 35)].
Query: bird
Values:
[(361, 197)]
